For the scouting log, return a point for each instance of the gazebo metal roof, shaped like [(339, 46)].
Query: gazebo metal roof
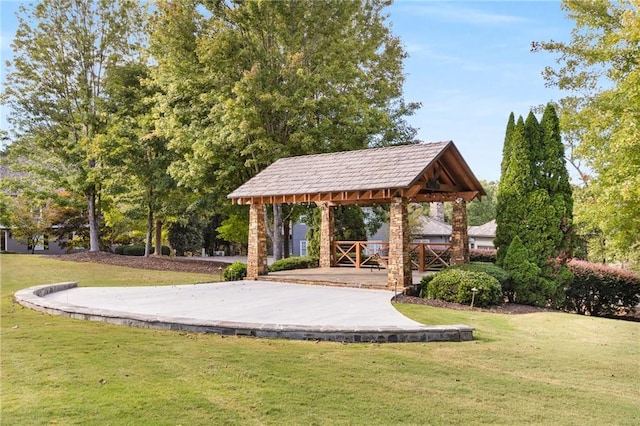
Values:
[(421, 172)]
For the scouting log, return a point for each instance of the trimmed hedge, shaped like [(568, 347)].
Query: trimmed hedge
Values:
[(235, 272), (600, 290), (484, 255), (454, 285), (304, 262), (492, 269), (138, 250)]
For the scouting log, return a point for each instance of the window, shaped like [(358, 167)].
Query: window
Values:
[(303, 247)]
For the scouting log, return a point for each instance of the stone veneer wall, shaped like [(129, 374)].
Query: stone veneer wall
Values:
[(459, 237), (257, 250), (327, 232), (399, 266)]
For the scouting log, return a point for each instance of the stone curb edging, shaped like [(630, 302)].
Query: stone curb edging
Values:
[(33, 298)]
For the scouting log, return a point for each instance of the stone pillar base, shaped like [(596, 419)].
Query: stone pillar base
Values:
[(459, 235), (399, 274), (327, 231), (257, 250)]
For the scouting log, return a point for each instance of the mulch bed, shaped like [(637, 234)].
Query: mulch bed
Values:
[(505, 308), (159, 263)]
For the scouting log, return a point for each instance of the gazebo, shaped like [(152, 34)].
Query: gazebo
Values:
[(398, 175)]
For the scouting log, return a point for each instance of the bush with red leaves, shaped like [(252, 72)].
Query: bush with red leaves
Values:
[(601, 290)]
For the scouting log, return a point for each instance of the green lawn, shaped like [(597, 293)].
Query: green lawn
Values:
[(545, 368)]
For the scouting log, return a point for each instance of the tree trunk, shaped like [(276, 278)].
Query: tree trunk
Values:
[(158, 239), (147, 242), (286, 227), (94, 239), (277, 232)]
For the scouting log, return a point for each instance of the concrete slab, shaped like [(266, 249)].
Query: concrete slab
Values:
[(257, 308)]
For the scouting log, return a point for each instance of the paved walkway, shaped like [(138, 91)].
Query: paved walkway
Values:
[(256, 308)]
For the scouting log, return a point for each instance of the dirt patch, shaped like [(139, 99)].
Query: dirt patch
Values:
[(159, 263)]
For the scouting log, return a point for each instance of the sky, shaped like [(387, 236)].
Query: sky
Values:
[(469, 65)]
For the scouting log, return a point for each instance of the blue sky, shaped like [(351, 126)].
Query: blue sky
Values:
[(469, 65)]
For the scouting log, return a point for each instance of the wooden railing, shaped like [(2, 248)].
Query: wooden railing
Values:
[(367, 254)]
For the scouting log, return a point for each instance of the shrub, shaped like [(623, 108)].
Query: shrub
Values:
[(235, 272), (138, 250), (528, 287), (601, 290), (495, 271), (484, 255), (424, 285), (289, 263), (454, 285)]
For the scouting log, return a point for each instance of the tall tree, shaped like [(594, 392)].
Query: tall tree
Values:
[(513, 189), (599, 68), (55, 84), (275, 79), (535, 206), (137, 157)]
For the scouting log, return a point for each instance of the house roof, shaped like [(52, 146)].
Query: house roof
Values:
[(486, 230), (430, 226), (420, 172)]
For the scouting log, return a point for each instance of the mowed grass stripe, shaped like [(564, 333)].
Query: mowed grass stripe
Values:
[(544, 368)]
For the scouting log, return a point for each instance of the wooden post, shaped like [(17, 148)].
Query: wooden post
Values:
[(399, 270), (459, 236), (257, 250), (327, 228)]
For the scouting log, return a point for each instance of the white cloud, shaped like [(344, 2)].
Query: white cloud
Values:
[(448, 12)]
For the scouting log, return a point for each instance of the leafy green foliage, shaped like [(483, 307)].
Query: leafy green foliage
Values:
[(30, 220), (247, 82), (599, 68), (55, 87), (303, 262), (515, 185), (455, 285), (235, 272), (481, 212), (525, 274), (601, 291), (186, 236), (535, 205)]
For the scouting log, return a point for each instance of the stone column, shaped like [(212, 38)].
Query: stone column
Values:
[(459, 236), (399, 268), (257, 251), (327, 231)]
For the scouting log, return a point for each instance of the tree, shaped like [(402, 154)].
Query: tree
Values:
[(30, 220), (524, 273), (482, 211), (513, 189), (599, 69), (265, 80), (55, 85), (137, 158), (535, 205), (185, 235)]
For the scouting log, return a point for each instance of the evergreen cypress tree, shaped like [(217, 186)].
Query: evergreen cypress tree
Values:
[(506, 148), (554, 178), (535, 207), (513, 190), (533, 135)]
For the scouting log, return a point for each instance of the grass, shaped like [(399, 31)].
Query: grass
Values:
[(544, 368)]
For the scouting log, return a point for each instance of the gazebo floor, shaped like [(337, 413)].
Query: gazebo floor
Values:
[(338, 276)]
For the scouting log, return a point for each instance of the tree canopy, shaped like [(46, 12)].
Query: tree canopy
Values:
[(599, 67)]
